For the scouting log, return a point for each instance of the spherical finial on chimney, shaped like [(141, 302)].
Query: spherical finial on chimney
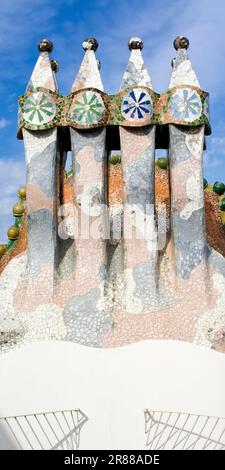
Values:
[(90, 44), (181, 43), (135, 43), (45, 45), (55, 65)]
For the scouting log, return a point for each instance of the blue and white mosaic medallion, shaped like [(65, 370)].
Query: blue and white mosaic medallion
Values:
[(137, 105), (87, 108), (185, 105), (206, 108), (39, 108)]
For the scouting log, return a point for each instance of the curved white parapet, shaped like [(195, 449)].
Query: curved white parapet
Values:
[(112, 388)]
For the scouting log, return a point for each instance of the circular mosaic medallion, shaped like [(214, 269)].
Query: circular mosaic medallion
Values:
[(87, 108), (206, 108), (137, 105), (185, 105), (39, 108)]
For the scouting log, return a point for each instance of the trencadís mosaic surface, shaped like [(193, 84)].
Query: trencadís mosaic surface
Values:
[(82, 266), (88, 108)]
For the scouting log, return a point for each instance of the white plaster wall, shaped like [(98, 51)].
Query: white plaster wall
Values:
[(112, 386)]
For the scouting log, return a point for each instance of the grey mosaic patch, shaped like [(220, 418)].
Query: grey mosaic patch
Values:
[(66, 257), (144, 275), (178, 149), (102, 272), (41, 240), (134, 76), (181, 57), (140, 175), (85, 323), (42, 169), (217, 261), (93, 137), (189, 241), (76, 167)]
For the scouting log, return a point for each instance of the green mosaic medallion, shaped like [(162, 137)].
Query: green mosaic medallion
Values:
[(87, 108), (39, 108)]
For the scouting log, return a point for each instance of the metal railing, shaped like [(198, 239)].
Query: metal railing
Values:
[(55, 430), (183, 431)]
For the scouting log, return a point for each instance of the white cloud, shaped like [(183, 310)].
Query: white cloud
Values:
[(214, 158), (4, 123), (219, 142), (22, 23), (158, 23), (211, 161)]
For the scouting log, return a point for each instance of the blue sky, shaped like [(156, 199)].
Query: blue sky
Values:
[(67, 22)]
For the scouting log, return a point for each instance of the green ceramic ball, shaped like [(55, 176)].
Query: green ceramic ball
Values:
[(219, 188), (222, 205), (205, 183), (162, 163), (114, 159)]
